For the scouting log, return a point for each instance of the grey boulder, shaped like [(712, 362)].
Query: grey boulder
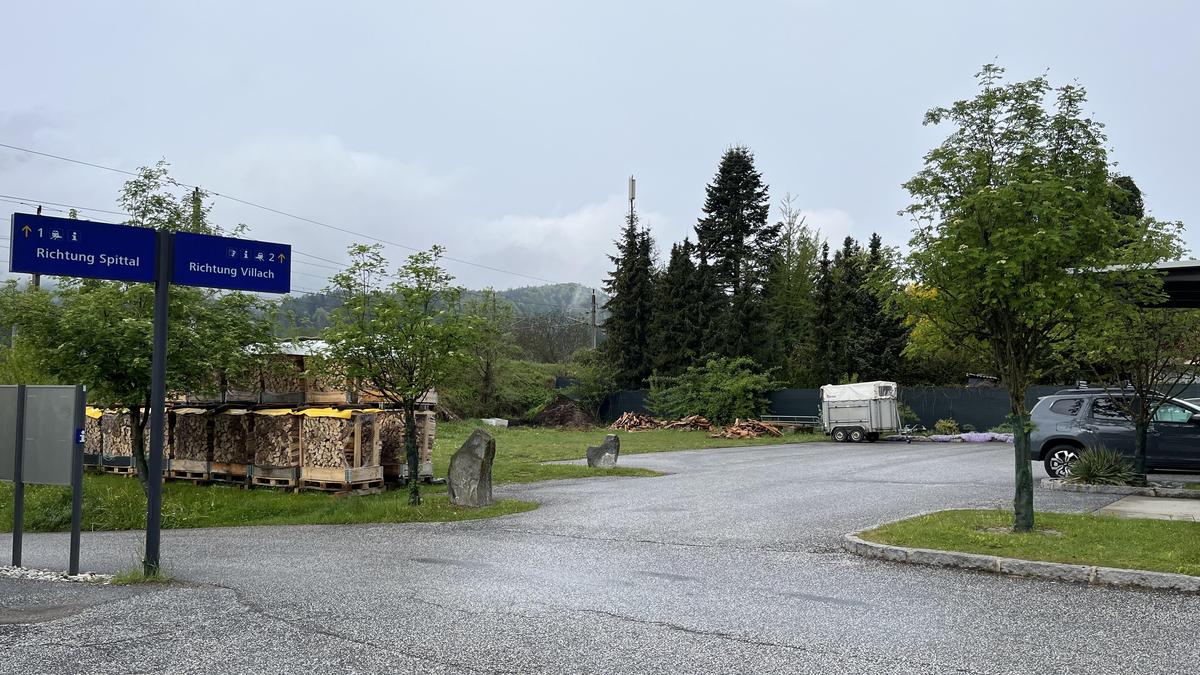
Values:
[(604, 455), (470, 477)]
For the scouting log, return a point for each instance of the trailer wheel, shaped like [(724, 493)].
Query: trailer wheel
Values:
[(857, 435), (839, 435)]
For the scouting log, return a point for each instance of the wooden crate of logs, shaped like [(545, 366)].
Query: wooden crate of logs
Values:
[(93, 437), (340, 451), (392, 454), (275, 439), (232, 452), (192, 444), (116, 439)]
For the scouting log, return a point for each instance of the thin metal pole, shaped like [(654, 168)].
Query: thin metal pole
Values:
[(77, 479), (158, 399), (593, 318), (19, 478)]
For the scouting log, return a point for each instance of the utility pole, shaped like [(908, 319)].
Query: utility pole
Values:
[(593, 318)]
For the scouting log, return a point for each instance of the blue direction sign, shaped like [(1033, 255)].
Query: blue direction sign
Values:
[(81, 248), (236, 264)]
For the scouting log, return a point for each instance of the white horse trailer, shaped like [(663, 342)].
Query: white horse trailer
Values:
[(859, 412)]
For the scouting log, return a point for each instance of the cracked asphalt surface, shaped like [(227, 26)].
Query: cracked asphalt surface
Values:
[(729, 564)]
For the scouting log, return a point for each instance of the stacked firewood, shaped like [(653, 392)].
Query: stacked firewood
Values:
[(747, 429), (391, 436), (93, 436), (276, 440), (689, 423), (117, 433), (325, 441), (282, 375), (231, 438), (632, 421), (193, 437)]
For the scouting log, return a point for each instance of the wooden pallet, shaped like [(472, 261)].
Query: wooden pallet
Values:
[(196, 477), (276, 476), (120, 470), (228, 472), (369, 487)]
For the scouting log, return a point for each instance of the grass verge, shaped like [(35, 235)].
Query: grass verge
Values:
[(117, 503), (1080, 539), (1192, 486), (522, 451)]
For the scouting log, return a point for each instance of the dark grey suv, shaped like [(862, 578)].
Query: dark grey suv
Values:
[(1076, 419)]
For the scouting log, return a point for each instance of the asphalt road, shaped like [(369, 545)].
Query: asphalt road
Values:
[(729, 564)]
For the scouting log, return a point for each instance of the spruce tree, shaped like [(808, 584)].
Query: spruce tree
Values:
[(826, 346), (883, 333), (630, 304), (674, 338), (736, 239), (789, 293)]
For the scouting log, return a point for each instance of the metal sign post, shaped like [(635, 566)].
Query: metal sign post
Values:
[(158, 399), (77, 480), (19, 478)]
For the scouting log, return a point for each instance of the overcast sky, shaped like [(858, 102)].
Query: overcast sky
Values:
[(506, 130)]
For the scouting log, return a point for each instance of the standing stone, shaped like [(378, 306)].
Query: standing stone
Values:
[(470, 475), (605, 454)]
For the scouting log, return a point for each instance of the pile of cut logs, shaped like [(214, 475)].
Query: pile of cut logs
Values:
[(632, 421), (114, 426), (193, 438), (231, 438), (689, 423), (747, 429), (93, 436), (330, 441), (276, 440)]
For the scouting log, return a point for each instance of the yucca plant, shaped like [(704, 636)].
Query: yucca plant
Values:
[(1101, 466)]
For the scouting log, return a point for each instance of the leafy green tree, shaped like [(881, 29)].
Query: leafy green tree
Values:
[(493, 345), (398, 335), (594, 378), (1012, 215), (721, 389), (630, 287), (1146, 353), (99, 333), (1126, 200)]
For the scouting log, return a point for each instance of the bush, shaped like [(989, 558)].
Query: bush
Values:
[(1101, 466), (968, 428), (1005, 428), (908, 416), (595, 379), (945, 427), (722, 389)]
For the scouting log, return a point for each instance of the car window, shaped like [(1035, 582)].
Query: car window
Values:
[(1067, 406), (1170, 412), (1108, 409)]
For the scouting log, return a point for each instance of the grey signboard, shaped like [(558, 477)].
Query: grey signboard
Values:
[(50, 433), (8, 425)]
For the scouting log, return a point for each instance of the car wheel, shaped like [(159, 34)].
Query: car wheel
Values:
[(839, 435), (857, 435), (1058, 460)]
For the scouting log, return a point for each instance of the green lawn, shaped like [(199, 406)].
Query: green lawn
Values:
[(117, 503), (521, 451), (1192, 486), (1156, 545)]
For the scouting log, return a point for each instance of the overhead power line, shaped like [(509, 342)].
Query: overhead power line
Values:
[(280, 212)]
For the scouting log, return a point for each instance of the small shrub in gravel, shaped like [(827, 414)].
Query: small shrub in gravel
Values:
[(946, 427), (1101, 466)]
